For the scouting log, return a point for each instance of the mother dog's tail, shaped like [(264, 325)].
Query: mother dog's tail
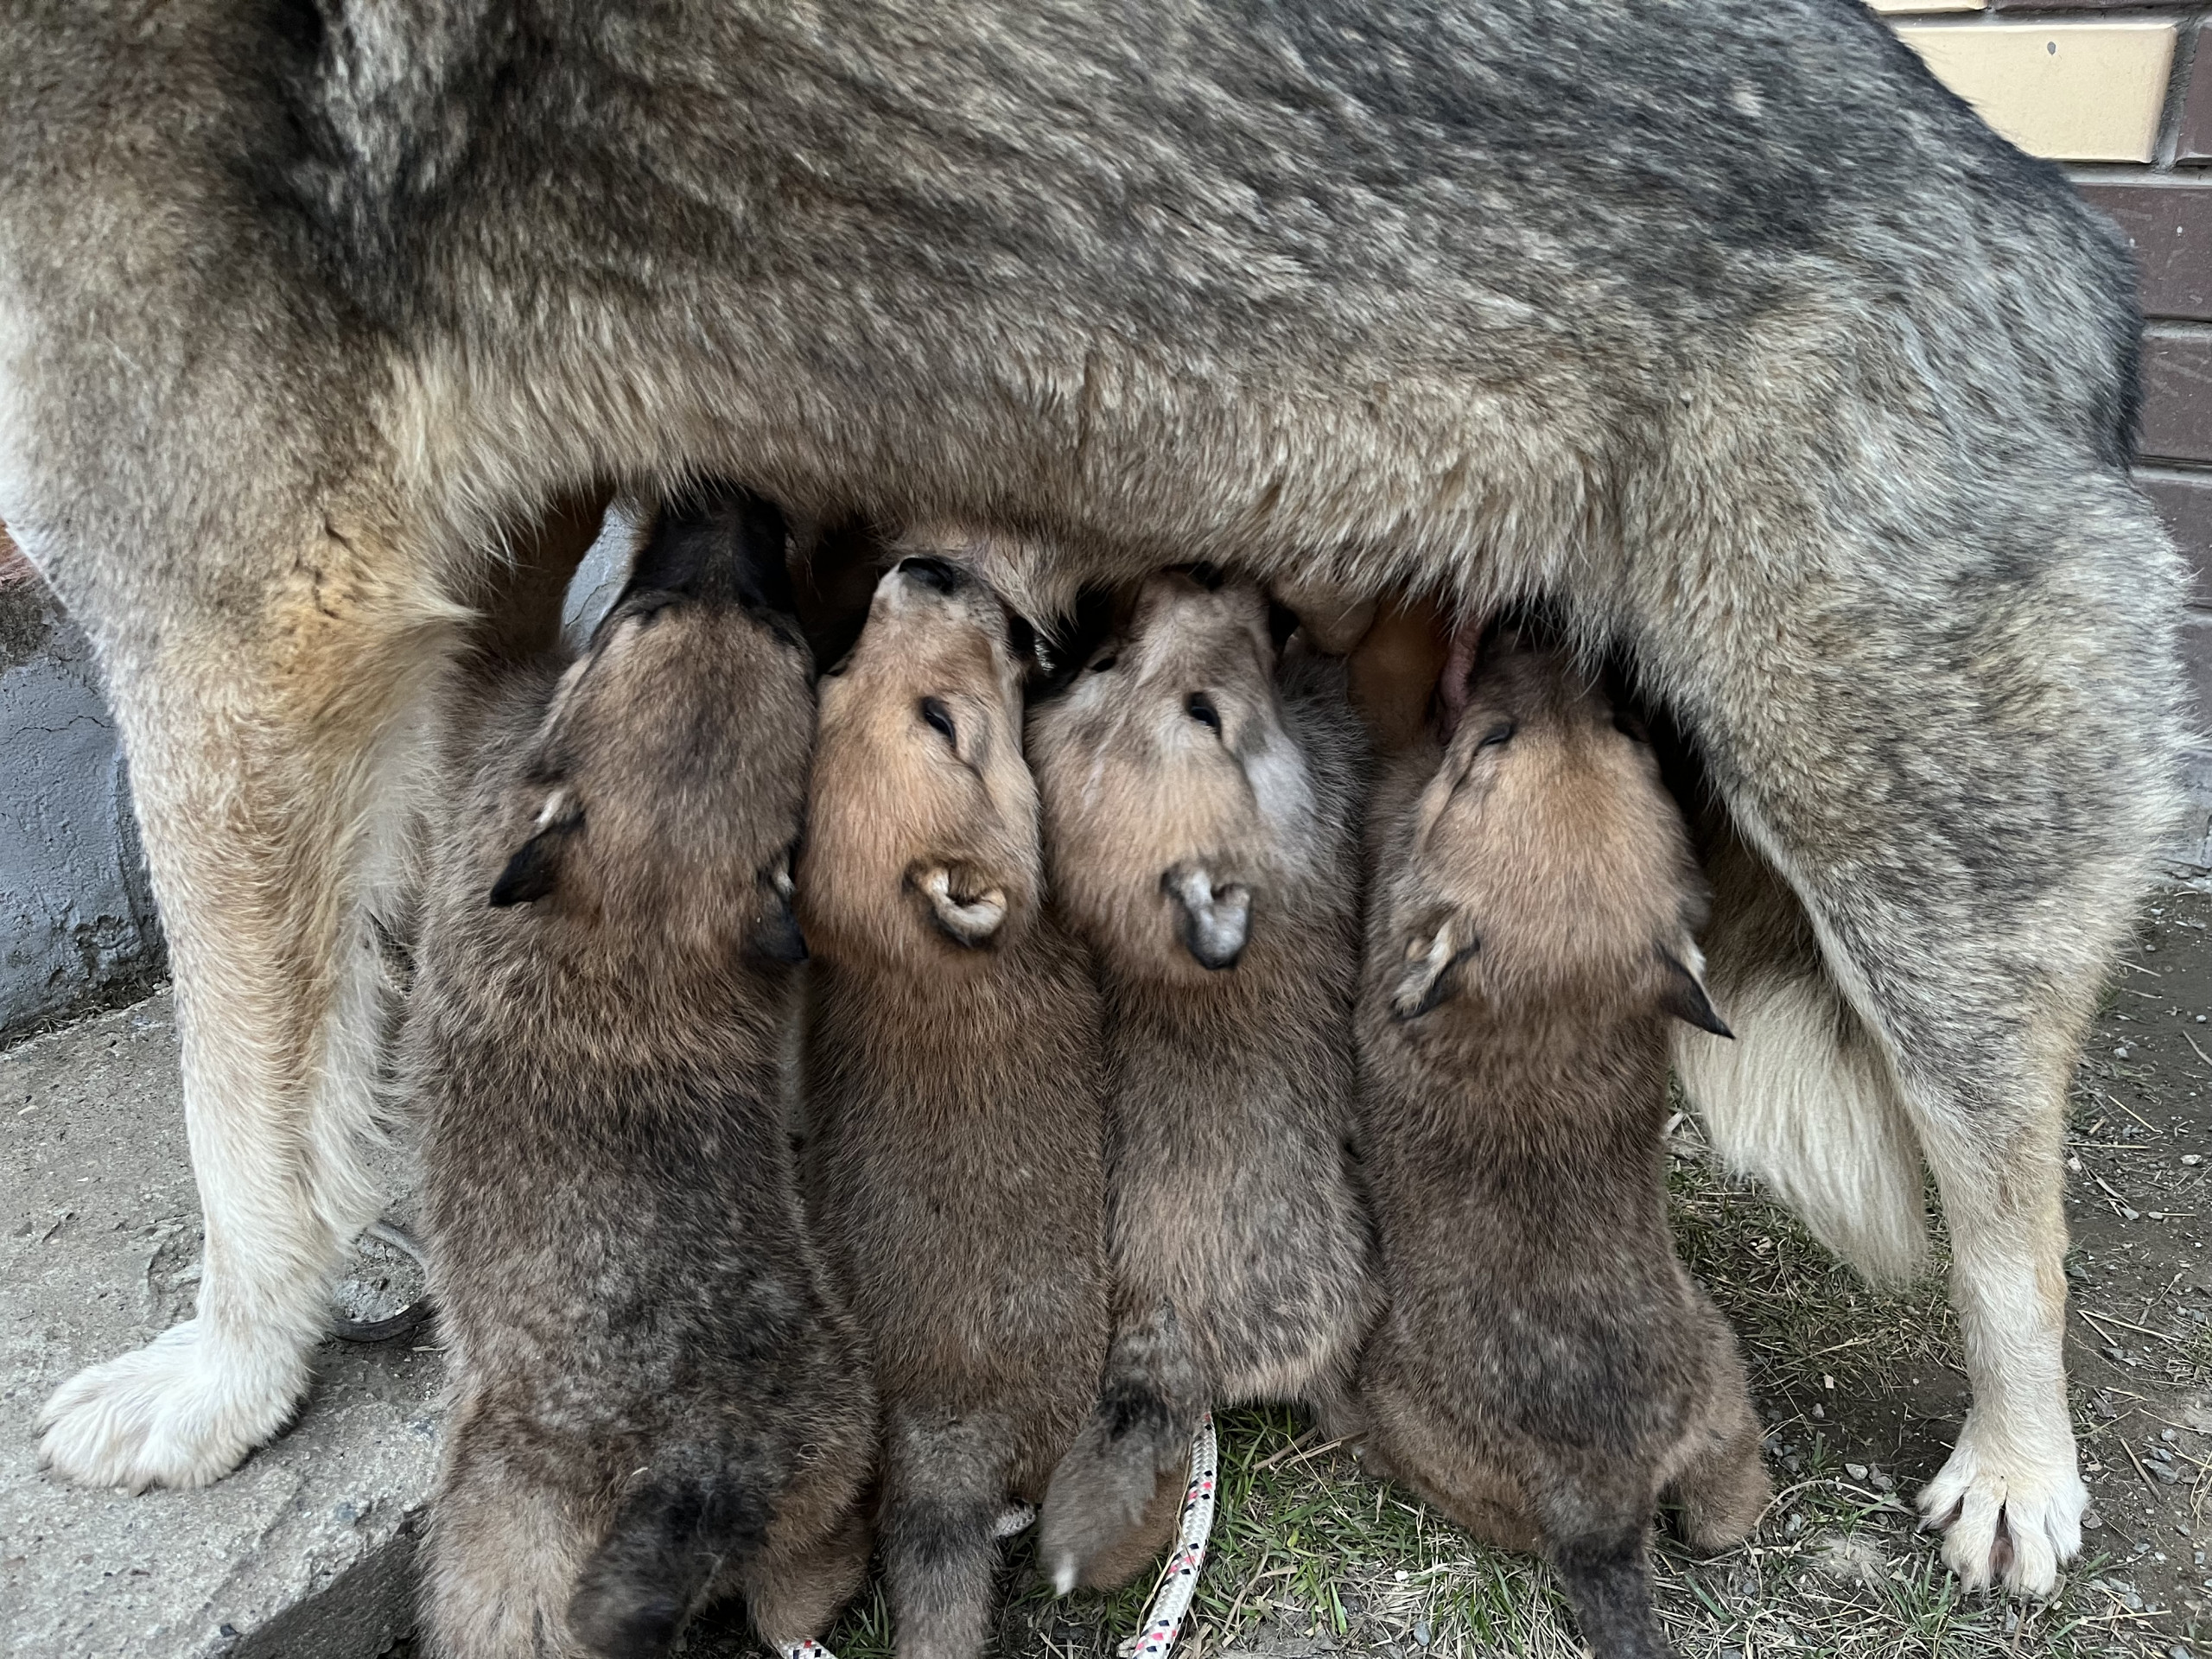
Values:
[(1803, 1098), (684, 1527)]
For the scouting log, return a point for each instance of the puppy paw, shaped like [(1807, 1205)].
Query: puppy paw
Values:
[(2010, 1510), (182, 1411)]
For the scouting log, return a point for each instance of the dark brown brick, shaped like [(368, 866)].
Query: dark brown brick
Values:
[(2168, 221), (2177, 393), (2196, 106), (2196, 658), (2184, 501)]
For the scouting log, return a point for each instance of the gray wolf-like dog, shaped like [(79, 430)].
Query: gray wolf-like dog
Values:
[(1547, 1368), (659, 1396), (1721, 328)]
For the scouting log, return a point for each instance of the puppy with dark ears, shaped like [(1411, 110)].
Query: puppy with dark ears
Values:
[(954, 1088), (659, 1397), (1546, 1371), (1201, 788)]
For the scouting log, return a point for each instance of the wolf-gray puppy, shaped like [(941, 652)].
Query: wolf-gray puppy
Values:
[(1201, 828), (1723, 327), (954, 1093), (1547, 1370), (658, 1396)]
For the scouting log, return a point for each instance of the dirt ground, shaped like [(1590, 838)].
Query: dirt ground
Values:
[(1862, 1393)]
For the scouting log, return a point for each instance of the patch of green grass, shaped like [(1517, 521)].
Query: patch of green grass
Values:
[(1308, 1546)]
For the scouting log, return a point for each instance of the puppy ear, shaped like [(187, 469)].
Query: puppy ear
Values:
[(967, 906), (535, 868), (1431, 956), (1213, 922), (776, 937), (1683, 992)]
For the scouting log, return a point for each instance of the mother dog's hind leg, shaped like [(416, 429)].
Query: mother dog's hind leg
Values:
[(1988, 784), (275, 755)]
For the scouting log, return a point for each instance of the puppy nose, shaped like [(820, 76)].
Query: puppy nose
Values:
[(932, 573)]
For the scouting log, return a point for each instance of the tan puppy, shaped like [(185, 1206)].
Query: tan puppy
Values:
[(1201, 809), (1547, 1370), (954, 1093), (659, 1396)]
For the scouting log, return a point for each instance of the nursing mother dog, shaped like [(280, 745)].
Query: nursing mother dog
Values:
[(1723, 328)]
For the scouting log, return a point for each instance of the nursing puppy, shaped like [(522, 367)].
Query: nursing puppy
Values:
[(1547, 1370), (1201, 828), (954, 1151), (658, 1396)]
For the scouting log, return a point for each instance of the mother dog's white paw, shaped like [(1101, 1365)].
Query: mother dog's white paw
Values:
[(2008, 1513), (182, 1411)]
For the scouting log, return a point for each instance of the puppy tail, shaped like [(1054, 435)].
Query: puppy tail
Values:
[(1608, 1579), (1138, 1435), (944, 1509), (1803, 1100), (676, 1535)]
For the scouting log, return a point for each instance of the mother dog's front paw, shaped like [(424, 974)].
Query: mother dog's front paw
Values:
[(182, 1411), (2008, 1513)]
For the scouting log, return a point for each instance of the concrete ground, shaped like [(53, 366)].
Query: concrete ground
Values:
[(306, 1552)]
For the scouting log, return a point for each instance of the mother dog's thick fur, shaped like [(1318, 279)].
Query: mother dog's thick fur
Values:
[(1722, 325)]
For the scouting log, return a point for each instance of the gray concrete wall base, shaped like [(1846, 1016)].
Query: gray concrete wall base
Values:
[(77, 922)]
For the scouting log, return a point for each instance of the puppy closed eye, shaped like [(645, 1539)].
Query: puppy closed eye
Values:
[(1200, 708), (1498, 737), (939, 718)]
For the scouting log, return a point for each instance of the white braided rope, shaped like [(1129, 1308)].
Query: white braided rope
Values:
[(1179, 1579)]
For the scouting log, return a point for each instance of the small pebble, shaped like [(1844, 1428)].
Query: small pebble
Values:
[(2120, 1053), (2189, 1159), (1856, 1470), (1420, 1631)]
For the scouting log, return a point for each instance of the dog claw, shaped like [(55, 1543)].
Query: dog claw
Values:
[(2009, 1522)]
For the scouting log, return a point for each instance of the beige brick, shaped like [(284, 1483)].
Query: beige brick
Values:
[(2073, 91), (1927, 5)]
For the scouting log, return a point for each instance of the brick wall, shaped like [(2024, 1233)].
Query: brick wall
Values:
[(2122, 94)]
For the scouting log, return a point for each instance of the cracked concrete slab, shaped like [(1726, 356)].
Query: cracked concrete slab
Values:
[(306, 1552)]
